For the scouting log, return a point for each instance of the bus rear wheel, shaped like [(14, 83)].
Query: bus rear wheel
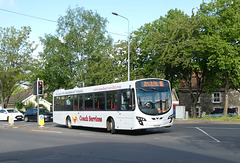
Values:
[(69, 122), (112, 126)]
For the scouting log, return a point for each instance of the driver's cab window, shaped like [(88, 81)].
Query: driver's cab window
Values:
[(127, 100)]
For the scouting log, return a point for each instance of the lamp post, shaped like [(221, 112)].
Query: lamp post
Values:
[(114, 13)]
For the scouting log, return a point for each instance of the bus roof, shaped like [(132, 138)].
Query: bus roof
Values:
[(99, 88)]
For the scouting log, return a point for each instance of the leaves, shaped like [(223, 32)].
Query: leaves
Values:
[(79, 52), (15, 60)]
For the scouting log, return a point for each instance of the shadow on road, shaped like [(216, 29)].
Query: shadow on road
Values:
[(107, 152)]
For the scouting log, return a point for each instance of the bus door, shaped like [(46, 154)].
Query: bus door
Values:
[(125, 114)]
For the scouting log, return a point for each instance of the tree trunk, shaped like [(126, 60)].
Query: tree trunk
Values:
[(5, 103), (194, 109), (226, 98), (194, 106), (2, 103)]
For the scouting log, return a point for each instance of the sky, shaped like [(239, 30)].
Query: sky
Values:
[(138, 12)]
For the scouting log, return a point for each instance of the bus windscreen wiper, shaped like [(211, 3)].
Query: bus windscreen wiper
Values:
[(147, 90)]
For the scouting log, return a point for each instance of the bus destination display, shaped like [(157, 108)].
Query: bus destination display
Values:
[(152, 84)]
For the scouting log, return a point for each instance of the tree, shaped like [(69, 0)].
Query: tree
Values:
[(15, 60), (220, 25), (170, 50), (119, 57), (202, 48), (79, 52)]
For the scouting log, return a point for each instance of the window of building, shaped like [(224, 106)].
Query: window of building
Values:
[(198, 108), (198, 99), (216, 97)]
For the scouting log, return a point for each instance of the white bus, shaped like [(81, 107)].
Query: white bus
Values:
[(132, 105)]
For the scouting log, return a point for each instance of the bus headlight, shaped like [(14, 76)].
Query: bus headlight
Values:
[(171, 118), (140, 120)]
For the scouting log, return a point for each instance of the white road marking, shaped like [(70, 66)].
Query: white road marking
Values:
[(208, 134), (221, 128), (87, 134), (57, 132)]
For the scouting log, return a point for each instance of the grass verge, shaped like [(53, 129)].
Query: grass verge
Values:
[(209, 118)]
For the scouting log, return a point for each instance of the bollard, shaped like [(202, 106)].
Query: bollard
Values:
[(41, 120), (11, 120)]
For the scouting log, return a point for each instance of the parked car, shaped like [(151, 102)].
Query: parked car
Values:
[(31, 114), (219, 112), (6, 113)]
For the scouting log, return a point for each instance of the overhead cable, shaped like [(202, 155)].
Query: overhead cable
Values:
[(35, 17), (29, 15)]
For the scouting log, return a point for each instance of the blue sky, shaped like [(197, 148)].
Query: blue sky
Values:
[(138, 12)]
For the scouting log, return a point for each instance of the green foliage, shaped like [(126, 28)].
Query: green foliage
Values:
[(18, 89), (15, 60), (220, 20), (220, 25), (30, 105), (42, 106), (209, 118), (78, 52), (19, 105), (201, 50)]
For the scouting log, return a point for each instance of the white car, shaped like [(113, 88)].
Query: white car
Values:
[(5, 113)]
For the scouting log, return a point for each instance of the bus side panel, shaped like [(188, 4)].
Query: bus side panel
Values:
[(59, 117), (96, 119), (125, 120), (90, 119)]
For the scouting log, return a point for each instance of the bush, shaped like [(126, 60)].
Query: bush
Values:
[(209, 118), (30, 105), (19, 105)]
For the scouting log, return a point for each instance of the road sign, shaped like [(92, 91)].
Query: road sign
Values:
[(41, 120)]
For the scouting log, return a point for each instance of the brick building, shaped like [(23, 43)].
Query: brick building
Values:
[(209, 102)]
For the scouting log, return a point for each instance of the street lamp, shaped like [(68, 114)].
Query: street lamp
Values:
[(114, 13)]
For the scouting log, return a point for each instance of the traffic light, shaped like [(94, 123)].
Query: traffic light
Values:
[(40, 87), (35, 87)]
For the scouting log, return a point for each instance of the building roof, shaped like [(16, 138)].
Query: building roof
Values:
[(174, 95), (20, 96)]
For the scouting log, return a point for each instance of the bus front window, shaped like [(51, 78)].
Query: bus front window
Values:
[(154, 101)]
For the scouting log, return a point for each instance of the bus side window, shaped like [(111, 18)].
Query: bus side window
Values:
[(133, 99), (80, 102), (112, 101), (126, 100), (69, 103), (62, 104), (75, 102), (89, 102), (57, 102), (99, 101)]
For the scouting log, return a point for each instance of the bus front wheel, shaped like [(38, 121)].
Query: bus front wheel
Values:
[(68, 122)]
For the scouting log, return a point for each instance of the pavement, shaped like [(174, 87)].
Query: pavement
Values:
[(176, 121)]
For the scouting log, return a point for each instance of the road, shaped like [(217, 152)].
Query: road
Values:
[(26, 142)]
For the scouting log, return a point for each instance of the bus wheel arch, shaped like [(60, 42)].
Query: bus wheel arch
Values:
[(68, 122), (111, 125)]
